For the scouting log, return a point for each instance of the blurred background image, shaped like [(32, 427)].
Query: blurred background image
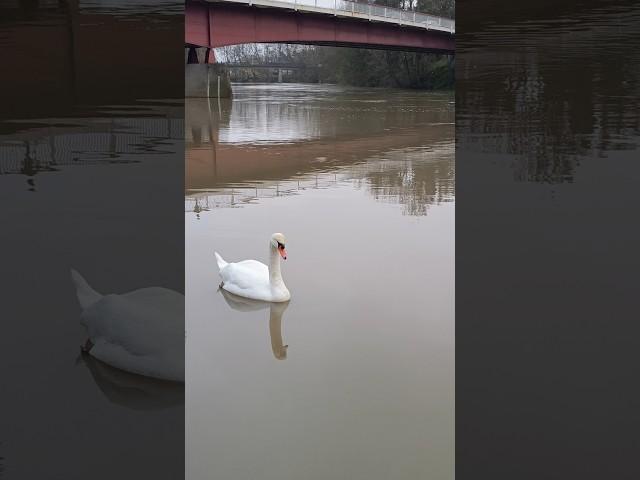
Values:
[(91, 174)]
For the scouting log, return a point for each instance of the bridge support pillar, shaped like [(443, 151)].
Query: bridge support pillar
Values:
[(206, 80)]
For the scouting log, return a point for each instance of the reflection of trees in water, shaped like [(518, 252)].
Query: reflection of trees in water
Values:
[(415, 179), (355, 135), (551, 103), (272, 115)]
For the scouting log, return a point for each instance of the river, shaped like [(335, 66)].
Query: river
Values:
[(354, 377)]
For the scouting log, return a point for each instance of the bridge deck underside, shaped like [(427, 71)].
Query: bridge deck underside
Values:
[(218, 25)]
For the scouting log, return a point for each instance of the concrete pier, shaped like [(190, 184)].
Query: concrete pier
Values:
[(206, 80)]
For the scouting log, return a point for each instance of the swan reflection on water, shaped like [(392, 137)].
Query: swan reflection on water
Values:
[(131, 390), (276, 310)]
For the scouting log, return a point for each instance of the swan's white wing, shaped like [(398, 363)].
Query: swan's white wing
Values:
[(246, 274), (141, 332), (249, 278)]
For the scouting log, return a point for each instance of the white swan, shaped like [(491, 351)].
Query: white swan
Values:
[(141, 331), (253, 279)]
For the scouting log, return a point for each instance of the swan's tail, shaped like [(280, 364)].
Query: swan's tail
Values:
[(220, 260), (87, 296)]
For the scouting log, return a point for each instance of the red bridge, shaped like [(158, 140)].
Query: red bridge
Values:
[(218, 23)]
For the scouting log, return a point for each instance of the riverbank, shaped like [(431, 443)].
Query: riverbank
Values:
[(346, 66)]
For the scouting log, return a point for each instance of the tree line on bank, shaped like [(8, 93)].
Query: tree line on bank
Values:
[(351, 66)]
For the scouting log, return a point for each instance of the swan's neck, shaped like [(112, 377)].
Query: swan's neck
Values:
[(275, 276)]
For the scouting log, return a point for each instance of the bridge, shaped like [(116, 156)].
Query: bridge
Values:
[(277, 68), (274, 65), (219, 23)]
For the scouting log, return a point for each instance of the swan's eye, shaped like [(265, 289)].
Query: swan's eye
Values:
[(280, 246)]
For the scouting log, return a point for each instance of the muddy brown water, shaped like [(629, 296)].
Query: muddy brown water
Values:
[(354, 377)]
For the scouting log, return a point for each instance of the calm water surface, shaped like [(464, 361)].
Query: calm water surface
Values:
[(353, 378), (547, 132)]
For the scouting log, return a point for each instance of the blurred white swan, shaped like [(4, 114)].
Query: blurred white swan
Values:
[(141, 331), (253, 279)]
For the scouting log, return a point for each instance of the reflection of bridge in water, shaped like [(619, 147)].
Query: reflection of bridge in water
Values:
[(91, 142), (236, 154), (56, 115), (414, 178)]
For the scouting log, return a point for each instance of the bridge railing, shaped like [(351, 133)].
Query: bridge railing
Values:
[(371, 11), (402, 16)]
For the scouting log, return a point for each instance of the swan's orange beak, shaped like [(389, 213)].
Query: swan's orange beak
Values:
[(283, 253)]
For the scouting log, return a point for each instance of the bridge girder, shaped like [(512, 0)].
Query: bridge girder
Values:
[(222, 24)]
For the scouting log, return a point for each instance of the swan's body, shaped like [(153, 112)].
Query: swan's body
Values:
[(141, 331), (255, 280)]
